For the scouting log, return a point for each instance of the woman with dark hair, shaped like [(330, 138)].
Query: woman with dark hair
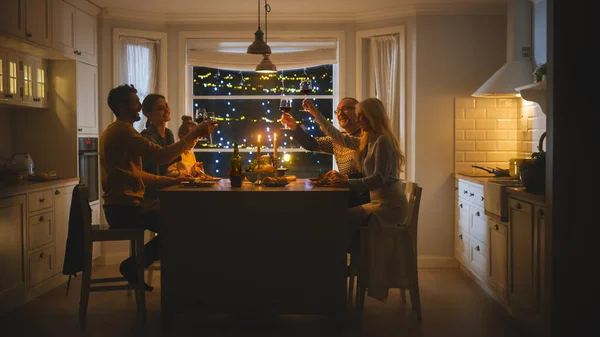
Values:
[(156, 109)]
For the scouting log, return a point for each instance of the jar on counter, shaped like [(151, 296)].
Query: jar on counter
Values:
[(513, 166)]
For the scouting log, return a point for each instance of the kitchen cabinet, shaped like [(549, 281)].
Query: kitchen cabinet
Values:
[(87, 99), (76, 31), (12, 265), (30, 20), (498, 257), (34, 227), (23, 79), (526, 263)]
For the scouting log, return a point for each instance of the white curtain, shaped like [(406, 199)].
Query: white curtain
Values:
[(139, 60), (385, 63)]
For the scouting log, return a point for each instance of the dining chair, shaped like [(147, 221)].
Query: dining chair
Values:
[(406, 234), (81, 210)]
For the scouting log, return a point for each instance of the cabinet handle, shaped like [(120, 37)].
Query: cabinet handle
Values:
[(465, 192), (471, 194), (518, 205), (478, 214), (496, 227), (461, 205), (541, 212), (75, 52), (477, 248), (28, 35), (79, 129), (481, 198), (42, 255), (42, 199), (460, 236), (42, 218), (57, 192)]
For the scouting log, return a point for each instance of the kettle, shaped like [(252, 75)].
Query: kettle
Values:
[(533, 171), (22, 163)]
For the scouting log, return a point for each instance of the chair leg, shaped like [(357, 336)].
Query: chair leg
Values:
[(150, 272), (140, 287), (85, 283), (131, 253), (413, 274), (403, 295), (361, 292)]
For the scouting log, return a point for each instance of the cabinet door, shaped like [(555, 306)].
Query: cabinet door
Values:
[(13, 77), (64, 24), (85, 37), (37, 22), (97, 246), (40, 89), (62, 207), (463, 215), (41, 265), (11, 17), (12, 272), (540, 223), (522, 287), (498, 257), (27, 65), (87, 102), (478, 224), (3, 77)]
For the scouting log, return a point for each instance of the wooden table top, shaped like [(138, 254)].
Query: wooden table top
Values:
[(300, 185)]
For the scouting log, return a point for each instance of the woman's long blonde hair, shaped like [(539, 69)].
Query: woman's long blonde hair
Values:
[(374, 112)]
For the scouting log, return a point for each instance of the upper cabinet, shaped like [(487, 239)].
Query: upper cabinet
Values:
[(75, 32), (28, 19), (23, 79), (87, 99)]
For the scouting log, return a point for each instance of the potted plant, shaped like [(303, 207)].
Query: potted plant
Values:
[(540, 73)]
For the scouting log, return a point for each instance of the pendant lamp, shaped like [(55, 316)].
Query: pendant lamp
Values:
[(266, 66), (260, 46)]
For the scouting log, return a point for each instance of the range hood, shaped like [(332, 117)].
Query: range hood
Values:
[(518, 70)]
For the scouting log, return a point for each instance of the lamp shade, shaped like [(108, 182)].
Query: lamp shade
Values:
[(266, 66), (259, 46)]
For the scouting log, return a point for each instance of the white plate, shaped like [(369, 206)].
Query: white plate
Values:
[(198, 184)]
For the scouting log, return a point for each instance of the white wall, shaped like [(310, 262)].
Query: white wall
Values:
[(5, 142), (454, 56)]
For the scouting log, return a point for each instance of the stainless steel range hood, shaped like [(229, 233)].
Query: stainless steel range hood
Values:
[(518, 70)]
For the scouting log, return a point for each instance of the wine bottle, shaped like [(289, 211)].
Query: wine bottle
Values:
[(236, 162)]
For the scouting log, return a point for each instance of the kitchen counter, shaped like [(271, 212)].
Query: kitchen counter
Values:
[(32, 186), (521, 192), (474, 179)]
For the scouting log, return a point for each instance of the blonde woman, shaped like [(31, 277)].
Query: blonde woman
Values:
[(188, 164), (380, 160)]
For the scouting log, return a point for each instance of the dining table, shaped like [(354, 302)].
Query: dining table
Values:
[(252, 249)]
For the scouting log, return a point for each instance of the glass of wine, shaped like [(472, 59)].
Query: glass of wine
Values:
[(306, 89), (285, 105)]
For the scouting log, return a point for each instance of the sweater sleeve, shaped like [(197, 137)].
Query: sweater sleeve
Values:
[(140, 145), (345, 140), (384, 169)]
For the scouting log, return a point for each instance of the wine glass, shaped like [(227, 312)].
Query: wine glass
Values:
[(306, 89), (285, 105)]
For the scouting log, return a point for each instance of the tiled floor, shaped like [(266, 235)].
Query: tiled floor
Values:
[(453, 305)]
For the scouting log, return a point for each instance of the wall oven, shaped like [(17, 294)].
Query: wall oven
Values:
[(89, 166)]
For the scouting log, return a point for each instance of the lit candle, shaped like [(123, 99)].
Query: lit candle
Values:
[(258, 149), (275, 145)]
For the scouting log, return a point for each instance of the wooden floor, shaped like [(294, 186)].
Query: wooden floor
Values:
[(453, 305)]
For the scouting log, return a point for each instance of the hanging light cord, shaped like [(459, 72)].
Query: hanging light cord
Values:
[(267, 10), (258, 3)]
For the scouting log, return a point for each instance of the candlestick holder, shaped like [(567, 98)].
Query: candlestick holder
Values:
[(275, 161)]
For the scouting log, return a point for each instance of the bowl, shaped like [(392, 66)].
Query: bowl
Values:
[(281, 172)]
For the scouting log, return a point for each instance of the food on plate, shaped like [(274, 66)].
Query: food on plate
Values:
[(275, 181), (263, 167), (204, 177)]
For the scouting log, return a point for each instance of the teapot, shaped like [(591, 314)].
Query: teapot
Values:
[(533, 171), (22, 163)]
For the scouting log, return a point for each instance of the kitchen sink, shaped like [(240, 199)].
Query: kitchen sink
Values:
[(494, 193)]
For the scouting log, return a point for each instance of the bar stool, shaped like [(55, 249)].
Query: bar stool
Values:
[(93, 234)]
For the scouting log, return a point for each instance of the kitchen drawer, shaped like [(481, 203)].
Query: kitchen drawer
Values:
[(479, 254), (479, 225), (41, 265), (461, 246), (476, 195), (463, 215), (463, 189), (41, 230), (40, 200)]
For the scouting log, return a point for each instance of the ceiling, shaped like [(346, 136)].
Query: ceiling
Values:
[(289, 9)]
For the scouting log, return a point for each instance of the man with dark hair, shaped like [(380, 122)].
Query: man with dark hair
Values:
[(123, 180), (344, 157)]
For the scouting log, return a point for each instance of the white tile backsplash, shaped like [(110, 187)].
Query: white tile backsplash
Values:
[(490, 131)]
